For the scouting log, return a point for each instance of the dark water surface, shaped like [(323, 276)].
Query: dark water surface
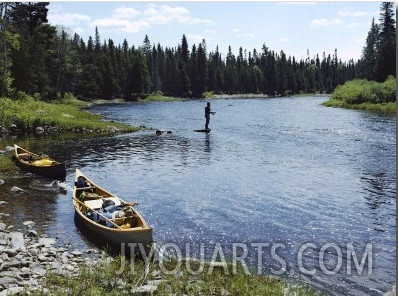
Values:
[(314, 186)]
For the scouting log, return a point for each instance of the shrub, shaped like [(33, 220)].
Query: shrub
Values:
[(389, 88), (360, 91)]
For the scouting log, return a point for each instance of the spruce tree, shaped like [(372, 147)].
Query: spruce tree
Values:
[(33, 61), (183, 66), (386, 57), (8, 42), (369, 53)]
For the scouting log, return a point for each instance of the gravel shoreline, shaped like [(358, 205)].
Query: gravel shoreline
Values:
[(26, 258)]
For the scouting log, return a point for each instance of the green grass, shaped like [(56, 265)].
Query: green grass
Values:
[(159, 97), (209, 95), (216, 281), (302, 94), (365, 95), (107, 278), (27, 113), (379, 107), (6, 163)]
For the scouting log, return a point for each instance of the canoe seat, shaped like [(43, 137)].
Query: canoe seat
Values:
[(97, 203), (25, 156)]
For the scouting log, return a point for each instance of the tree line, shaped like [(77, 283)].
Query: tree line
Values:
[(45, 61)]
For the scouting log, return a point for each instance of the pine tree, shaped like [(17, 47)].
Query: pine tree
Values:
[(89, 85), (369, 53), (202, 67), (138, 79), (97, 44), (216, 72), (386, 58), (282, 69), (33, 62), (183, 66), (231, 84), (8, 41)]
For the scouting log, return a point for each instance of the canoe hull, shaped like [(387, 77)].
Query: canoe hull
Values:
[(114, 236), (111, 237), (57, 170)]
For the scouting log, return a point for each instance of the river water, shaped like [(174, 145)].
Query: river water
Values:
[(287, 186)]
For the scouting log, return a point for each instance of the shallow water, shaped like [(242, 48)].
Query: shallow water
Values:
[(282, 174)]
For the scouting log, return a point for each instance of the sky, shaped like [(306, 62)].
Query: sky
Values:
[(295, 27)]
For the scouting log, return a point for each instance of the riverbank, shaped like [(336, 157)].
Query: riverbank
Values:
[(27, 115), (28, 258), (367, 95), (34, 264), (390, 107)]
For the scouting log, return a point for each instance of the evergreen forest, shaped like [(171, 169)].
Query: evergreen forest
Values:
[(44, 61)]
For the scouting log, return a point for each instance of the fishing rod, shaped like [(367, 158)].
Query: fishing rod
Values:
[(230, 105)]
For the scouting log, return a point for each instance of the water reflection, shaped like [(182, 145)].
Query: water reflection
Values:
[(30, 205), (207, 143)]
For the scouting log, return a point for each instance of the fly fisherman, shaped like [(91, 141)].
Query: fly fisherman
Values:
[(207, 115)]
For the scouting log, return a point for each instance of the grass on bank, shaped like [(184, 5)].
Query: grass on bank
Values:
[(365, 95), (108, 278), (159, 97), (6, 163), (27, 113)]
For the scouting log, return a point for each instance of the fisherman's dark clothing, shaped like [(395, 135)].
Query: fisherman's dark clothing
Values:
[(207, 116)]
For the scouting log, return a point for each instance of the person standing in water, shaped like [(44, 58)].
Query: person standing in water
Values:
[(207, 115)]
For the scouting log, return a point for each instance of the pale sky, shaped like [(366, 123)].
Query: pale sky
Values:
[(294, 27)]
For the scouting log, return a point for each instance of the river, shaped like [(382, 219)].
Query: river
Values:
[(297, 189)]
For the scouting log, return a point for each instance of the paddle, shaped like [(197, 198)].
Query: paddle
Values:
[(130, 204), (107, 219)]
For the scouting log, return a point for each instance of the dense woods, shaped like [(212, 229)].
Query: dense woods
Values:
[(42, 60)]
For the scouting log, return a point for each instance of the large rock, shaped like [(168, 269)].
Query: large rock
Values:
[(16, 240), (39, 130), (7, 281), (3, 130), (28, 223), (16, 189), (46, 241), (11, 291), (145, 289), (113, 129)]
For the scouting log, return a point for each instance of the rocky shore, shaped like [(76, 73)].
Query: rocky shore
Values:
[(53, 130), (25, 258)]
